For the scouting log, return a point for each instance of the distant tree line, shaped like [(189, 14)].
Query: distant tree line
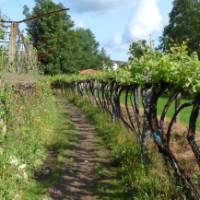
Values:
[(61, 47)]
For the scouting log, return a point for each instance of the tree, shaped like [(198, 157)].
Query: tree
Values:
[(137, 49), (105, 59), (88, 48), (184, 25), (61, 48), (48, 34), (88, 53)]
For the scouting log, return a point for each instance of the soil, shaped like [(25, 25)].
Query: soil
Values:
[(81, 185)]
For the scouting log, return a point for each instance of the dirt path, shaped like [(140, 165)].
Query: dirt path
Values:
[(83, 161)]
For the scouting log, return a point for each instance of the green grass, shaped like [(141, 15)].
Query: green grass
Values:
[(138, 181), (66, 137), (184, 115)]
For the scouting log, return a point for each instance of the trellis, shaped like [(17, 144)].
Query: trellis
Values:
[(17, 53)]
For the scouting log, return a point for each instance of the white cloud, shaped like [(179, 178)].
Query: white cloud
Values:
[(117, 43), (97, 5), (117, 46), (147, 20), (80, 24)]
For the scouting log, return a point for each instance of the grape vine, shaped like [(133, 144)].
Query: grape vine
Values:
[(143, 82)]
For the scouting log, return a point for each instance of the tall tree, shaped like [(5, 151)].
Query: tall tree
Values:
[(184, 25), (89, 55), (105, 60), (48, 34), (61, 48)]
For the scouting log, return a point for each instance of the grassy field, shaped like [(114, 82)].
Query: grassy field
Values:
[(184, 115)]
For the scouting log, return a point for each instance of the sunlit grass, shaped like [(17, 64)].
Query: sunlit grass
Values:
[(183, 117)]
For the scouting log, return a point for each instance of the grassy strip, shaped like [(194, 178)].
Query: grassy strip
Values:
[(65, 137), (107, 174), (141, 181)]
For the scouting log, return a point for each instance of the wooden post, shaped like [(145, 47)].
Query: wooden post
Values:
[(32, 57), (12, 44), (177, 104), (25, 55), (18, 55)]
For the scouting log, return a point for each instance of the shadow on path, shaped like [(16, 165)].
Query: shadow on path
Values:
[(87, 172)]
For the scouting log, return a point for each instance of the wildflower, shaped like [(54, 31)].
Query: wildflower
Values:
[(47, 198), (14, 161), (22, 171), (21, 167), (55, 192), (22, 174), (17, 197)]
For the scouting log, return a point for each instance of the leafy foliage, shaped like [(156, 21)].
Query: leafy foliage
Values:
[(137, 49), (175, 67), (61, 48), (184, 25), (1, 28)]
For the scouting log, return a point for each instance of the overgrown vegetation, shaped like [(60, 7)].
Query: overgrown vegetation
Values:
[(27, 125), (138, 180)]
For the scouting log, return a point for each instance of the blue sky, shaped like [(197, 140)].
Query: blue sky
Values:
[(115, 23)]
